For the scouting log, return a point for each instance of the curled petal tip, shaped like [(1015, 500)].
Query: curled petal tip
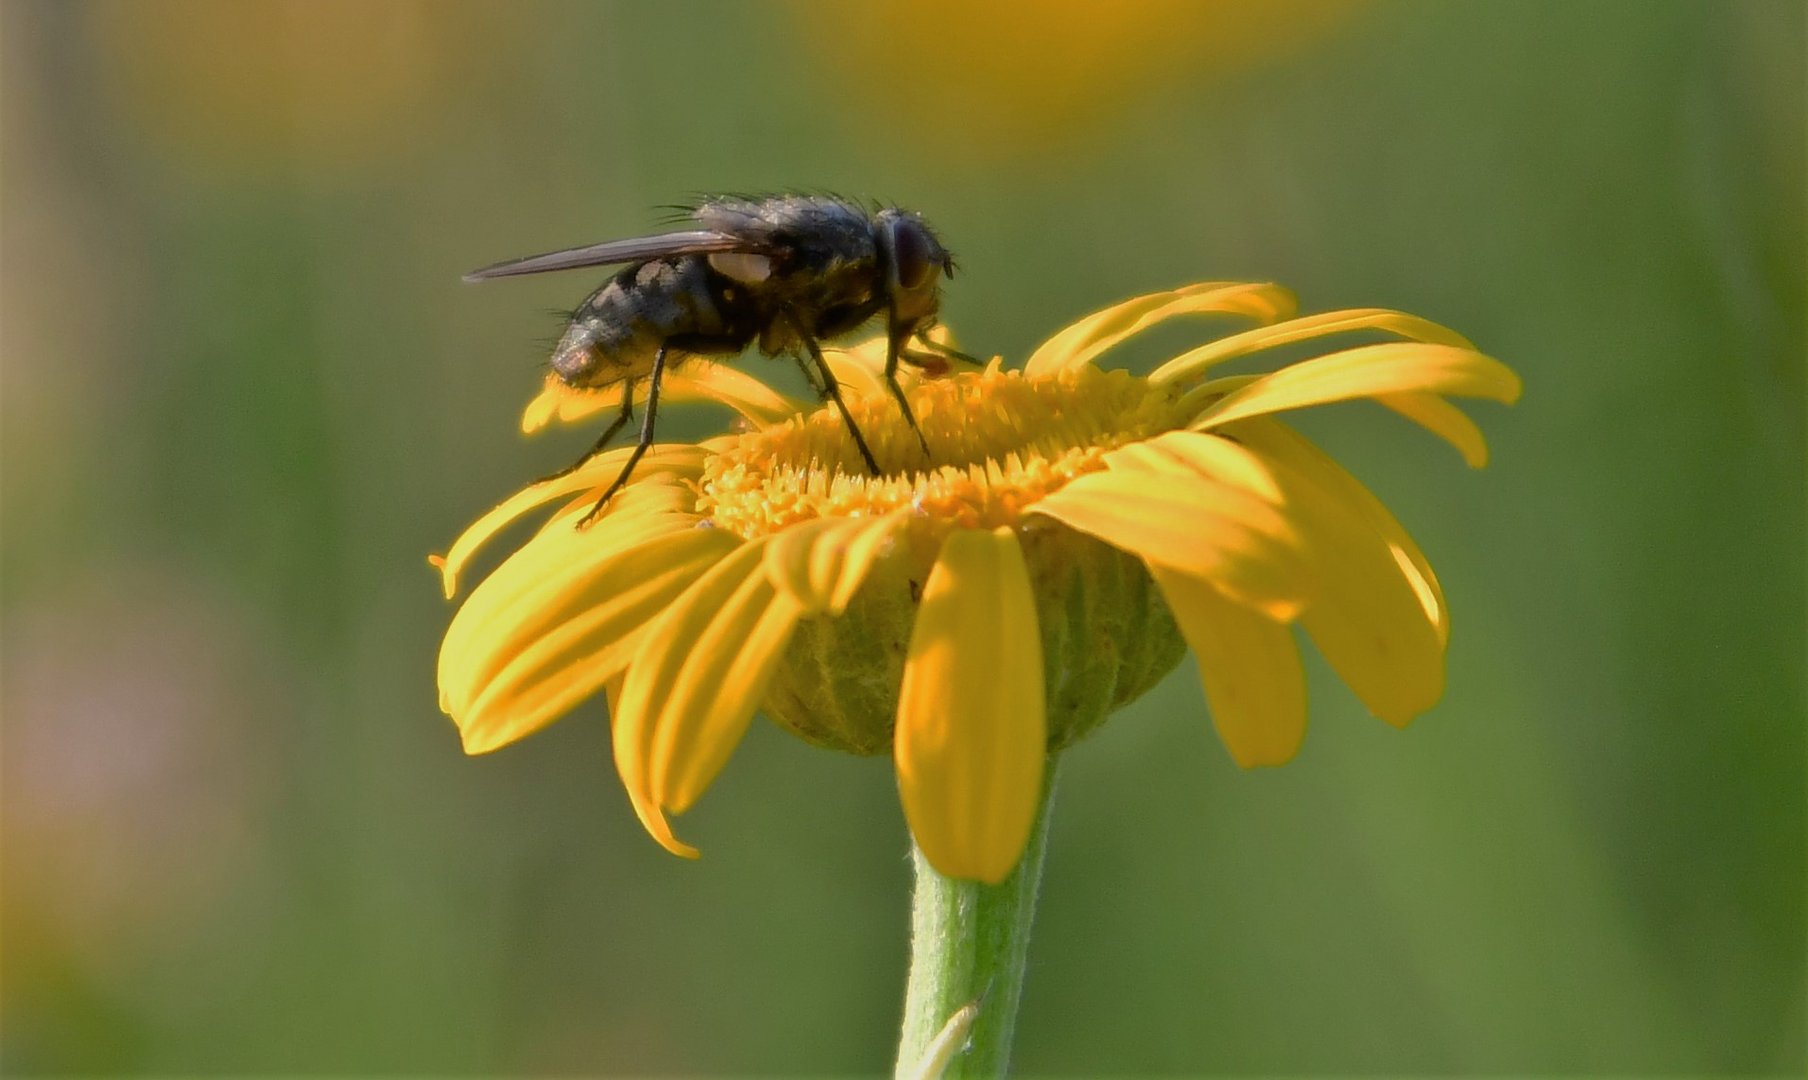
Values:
[(448, 579)]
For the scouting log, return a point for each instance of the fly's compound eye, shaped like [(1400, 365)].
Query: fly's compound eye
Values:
[(910, 253), (744, 267)]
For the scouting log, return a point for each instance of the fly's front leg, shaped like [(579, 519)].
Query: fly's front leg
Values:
[(894, 347), (640, 447), (621, 420), (949, 351), (833, 389)]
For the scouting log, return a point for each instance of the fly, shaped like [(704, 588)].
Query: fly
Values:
[(785, 272)]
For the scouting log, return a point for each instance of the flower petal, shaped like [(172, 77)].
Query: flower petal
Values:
[(1236, 539), (696, 379), (508, 669), (557, 560), (661, 458), (656, 497), (800, 556), (971, 740), (1084, 340), (555, 563), (1368, 371), (1190, 364), (1183, 454), (1444, 420), (731, 670), (1364, 613), (1250, 668), (1280, 442), (651, 817), (862, 550), (697, 677), (858, 367), (555, 398), (701, 380), (820, 564), (1368, 621)]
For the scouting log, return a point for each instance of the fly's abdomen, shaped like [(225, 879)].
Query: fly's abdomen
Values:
[(616, 333)]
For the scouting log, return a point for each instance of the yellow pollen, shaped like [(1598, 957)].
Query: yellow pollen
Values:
[(999, 441)]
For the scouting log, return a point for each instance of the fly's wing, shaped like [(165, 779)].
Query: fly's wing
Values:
[(699, 242)]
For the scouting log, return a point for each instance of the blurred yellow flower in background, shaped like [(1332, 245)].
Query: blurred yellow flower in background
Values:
[(1074, 530), (1002, 78)]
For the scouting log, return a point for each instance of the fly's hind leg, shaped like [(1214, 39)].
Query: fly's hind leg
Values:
[(621, 421), (640, 447)]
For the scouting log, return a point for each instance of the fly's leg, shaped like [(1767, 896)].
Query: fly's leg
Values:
[(949, 351), (810, 376), (929, 364), (621, 421), (833, 389), (640, 447), (893, 349)]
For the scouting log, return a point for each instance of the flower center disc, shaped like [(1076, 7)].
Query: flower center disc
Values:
[(998, 442)]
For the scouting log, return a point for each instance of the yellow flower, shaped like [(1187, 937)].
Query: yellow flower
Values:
[(1000, 80), (1074, 532)]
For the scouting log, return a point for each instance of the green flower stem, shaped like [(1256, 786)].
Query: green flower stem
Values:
[(968, 943)]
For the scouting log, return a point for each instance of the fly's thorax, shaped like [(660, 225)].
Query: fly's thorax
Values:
[(825, 305), (810, 226), (829, 299), (823, 271)]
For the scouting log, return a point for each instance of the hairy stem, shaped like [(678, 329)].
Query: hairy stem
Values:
[(968, 943)]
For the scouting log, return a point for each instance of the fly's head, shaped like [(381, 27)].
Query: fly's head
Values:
[(913, 261)]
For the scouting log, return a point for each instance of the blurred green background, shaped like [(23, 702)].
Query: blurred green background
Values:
[(245, 395)]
